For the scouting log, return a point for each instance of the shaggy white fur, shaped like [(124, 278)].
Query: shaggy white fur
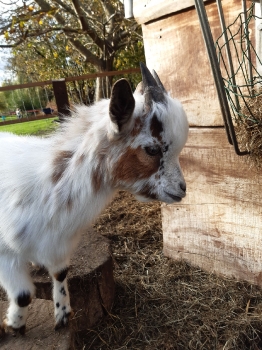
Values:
[(52, 189)]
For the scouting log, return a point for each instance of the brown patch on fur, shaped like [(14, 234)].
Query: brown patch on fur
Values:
[(135, 164), (60, 163), (97, 179), (80, 160), (156, 128), (137, 127), (99, 172)]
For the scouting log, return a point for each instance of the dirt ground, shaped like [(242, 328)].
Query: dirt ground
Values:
[(162, 304)]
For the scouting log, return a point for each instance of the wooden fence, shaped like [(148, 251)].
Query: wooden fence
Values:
[(60, 92)]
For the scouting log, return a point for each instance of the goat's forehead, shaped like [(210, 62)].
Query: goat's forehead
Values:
[(150, 130), (164, 123)]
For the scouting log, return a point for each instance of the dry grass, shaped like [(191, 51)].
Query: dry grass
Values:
[(162, 304), (249, 130)]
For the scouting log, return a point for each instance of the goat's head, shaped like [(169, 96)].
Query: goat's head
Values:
[(149, 130)]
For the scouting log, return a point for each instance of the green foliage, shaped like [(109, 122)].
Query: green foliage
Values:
[(25, 99), (3, 105), (57, 39), (130, 58)]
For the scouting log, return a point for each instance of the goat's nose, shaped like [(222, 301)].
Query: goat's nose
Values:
[(183, 186)]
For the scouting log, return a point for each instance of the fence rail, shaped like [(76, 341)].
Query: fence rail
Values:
[(68, 79), (60, 93)]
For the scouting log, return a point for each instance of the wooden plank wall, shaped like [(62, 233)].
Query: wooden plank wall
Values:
[(218, 226), (150, 10), (174, 47)]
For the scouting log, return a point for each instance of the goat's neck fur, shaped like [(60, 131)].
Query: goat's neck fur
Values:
[(82, 163)]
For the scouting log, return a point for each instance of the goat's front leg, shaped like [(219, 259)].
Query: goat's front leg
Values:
[(15, 279), (2, 330), (63, 311)]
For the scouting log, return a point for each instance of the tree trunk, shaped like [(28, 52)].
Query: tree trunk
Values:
[(104, 84)]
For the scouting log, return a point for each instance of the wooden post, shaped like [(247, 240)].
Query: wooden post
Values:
[(61, 97)]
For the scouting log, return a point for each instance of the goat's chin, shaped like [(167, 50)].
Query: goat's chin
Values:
[(143, 199), (164, 199), (169, 200)]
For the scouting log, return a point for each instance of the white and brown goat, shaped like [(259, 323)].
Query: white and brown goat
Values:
[(52, 189)]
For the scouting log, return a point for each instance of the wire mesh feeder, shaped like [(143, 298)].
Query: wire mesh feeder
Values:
[(237, 67), (240, 65)]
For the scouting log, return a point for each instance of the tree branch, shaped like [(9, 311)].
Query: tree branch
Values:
[(110, 13), (108, 8), (100, 23), (65, 7), (9, 46), (37, 33), (88, 30), (39, 53), (89, 56), (83, 20), (81, 15)]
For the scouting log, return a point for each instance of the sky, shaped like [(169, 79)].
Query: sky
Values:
[(3, 73), (4, 5)]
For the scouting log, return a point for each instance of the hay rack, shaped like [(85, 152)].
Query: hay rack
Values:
[(236, 66)]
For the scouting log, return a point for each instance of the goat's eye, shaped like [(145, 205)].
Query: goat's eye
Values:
[(153, 150)]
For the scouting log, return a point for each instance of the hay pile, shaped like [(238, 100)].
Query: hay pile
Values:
[(162, 304), (249, 130)]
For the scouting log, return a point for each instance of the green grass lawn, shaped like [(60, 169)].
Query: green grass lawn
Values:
[(9, 117), (37, 127)]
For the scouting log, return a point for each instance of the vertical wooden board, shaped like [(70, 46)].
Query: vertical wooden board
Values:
[(218, 226), (175, 48), (61, 97)]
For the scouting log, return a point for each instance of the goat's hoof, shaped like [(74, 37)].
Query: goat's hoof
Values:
[(63, 322), (14, 331), (2, 331)]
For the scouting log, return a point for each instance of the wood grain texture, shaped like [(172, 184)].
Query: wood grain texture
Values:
[(149, 10), (218, 226), (175, 48)]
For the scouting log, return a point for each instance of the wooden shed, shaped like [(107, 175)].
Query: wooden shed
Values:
[(218, 226)]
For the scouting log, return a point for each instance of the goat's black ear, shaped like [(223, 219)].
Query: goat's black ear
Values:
[(122, 103)]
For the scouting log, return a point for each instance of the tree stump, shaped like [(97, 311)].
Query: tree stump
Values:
[(90, 280), (91, 286)]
